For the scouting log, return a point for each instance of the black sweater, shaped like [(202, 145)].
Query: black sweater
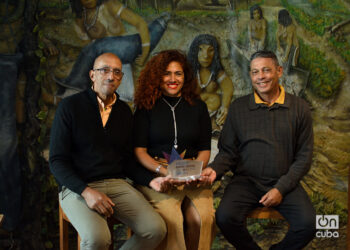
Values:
[(270, 145), (82, 150), (154, 129)]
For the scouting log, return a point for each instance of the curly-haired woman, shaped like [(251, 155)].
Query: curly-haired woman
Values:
[(170, 114)]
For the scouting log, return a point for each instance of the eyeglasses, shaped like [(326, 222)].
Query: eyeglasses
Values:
[(106, 70)]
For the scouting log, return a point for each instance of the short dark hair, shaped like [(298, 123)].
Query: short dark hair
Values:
[(253, 8), (192, 55), (265, 54), (284, 18), (77, 6)]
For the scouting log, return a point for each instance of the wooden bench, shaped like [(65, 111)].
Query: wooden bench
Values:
[(265, 213), (64, 224)]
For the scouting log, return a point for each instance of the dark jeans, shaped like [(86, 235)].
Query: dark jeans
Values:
[(242, 195)]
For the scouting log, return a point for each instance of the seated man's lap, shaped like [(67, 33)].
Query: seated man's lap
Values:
[(131, 208), (87, 222), (297, 208), (240, 197)]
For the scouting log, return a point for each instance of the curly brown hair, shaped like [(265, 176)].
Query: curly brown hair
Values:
[(148, 90)]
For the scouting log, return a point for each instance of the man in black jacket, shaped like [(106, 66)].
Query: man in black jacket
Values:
[(267, 142), (91, 153)]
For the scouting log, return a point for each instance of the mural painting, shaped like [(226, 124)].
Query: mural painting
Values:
[(50, 47), (12, 77), (215, 86)]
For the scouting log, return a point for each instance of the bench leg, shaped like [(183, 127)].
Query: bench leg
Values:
[(63, 232)]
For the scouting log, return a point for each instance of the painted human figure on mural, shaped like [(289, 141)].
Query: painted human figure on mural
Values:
[(256, 29), (287, 41), (216, 88), (103, 18), (100, 18)]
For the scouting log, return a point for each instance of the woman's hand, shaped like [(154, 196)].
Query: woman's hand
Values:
[(160, 184)]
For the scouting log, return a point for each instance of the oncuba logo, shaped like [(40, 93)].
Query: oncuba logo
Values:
[(325, 224)]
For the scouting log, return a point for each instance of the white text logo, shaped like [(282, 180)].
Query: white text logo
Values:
[(326, 222)]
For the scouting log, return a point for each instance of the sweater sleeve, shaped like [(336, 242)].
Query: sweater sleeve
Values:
[(227, 158), (303, 152), (141, 128), (133, 170), (137, 173), (60, 161)]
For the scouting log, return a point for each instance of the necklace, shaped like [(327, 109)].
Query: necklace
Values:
[(200, 82), (172, 108), (93, 22)]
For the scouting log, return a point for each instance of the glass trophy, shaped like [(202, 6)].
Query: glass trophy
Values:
[(185, 169)]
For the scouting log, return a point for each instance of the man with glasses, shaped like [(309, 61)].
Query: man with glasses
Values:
[(91, 153), (267, 142)]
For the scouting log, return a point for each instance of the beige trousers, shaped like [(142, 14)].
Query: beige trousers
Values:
[(131, 208), (168, 205)]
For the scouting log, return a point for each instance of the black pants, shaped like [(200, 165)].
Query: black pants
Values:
[(242, 195)]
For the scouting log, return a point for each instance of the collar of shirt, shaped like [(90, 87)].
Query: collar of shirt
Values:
[(279, 100), (102, 105)]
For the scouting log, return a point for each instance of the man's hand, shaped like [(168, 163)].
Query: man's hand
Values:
[(271, 198), (208, 176), (160, 184), (98, 201)]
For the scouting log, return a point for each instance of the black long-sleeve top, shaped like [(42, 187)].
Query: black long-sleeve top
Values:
[(82, 150), (270, 145), (154, 129)]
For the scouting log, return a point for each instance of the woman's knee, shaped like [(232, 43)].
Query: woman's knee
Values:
[(193, 220), (192, 217)]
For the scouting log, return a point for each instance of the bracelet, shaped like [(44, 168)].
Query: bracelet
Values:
[(145, 44), (158, 169)]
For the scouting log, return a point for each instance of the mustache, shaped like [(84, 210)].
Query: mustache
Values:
[(109, 80)]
